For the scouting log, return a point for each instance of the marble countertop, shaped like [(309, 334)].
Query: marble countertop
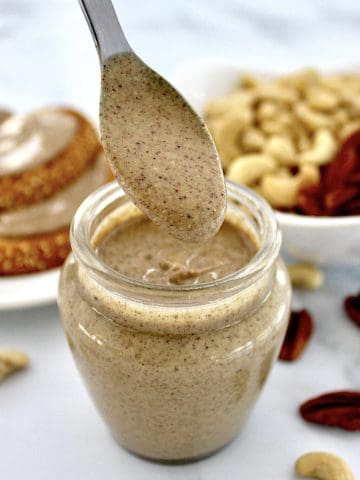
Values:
[(49, 427)]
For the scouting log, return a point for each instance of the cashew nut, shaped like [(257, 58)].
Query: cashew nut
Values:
[(267, 110), (283, 172), (324, 466), (283, 190), (322, 99), (305, 275), (333, 83), (352, 81), (10, 361), (308, 175), (348, 129), (220, 106), (312, 119), (249, 81), (285, 119), (352, 102), (300, 80), (282, 149), (280, 191), (323, 149), (271, 91), (271, 127), (248, 169), (303, 142), (226, 132), (252, 140), (301, 136), (341, 116)]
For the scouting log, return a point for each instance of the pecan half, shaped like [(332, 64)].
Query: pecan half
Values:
[(297, 335), (335, 409), (338, 192), (346, 163), (352, 308), (338, 198)]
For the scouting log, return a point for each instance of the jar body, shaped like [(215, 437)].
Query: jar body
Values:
[(174, 395)]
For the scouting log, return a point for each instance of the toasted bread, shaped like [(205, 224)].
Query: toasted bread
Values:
[(33, 253)]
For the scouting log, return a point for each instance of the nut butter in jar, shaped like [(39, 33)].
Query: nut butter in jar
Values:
[(174, 341)]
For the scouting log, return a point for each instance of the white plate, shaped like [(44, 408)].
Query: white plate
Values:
[(35, 289), (319, 240)]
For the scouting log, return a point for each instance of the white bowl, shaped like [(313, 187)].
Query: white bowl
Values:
[(319, 240)]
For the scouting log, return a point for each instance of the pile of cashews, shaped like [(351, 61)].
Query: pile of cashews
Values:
[(274, 135)]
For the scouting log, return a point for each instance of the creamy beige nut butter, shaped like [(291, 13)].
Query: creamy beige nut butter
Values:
[(30, 140), (56, 211), (160, 151), (141, 250), (174, 340)]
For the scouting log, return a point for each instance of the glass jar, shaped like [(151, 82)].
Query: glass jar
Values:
[(174, 370)]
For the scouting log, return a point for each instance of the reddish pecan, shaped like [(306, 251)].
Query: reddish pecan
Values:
[(346, 163), (335, 409), (297, 335), (339, 197), (338, 192), (310, 200), (352, 308), (353, 207)]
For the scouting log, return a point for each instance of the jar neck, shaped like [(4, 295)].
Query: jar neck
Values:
[(246, 205)]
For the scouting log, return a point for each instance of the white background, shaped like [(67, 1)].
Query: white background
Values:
[(48, 426), (47, 54)]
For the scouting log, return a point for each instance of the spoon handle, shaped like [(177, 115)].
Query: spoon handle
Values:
[(105, 28)]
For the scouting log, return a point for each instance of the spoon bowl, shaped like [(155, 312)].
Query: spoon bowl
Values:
[(160, 151)]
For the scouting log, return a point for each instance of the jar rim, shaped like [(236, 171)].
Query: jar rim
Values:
[(95, 203)]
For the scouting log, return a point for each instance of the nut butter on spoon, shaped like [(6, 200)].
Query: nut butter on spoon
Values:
[(159, 149)]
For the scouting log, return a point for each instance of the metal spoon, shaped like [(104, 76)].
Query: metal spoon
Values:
[(105, 28), (160, 151)]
